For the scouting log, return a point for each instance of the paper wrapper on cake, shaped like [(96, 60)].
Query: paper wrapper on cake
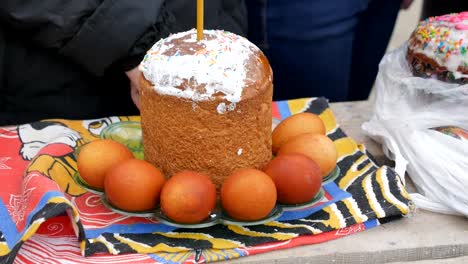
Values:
[(206, 105)]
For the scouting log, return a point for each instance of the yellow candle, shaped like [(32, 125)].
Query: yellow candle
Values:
[(199, 19)]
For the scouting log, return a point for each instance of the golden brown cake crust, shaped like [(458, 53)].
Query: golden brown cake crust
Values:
[(179, 134)]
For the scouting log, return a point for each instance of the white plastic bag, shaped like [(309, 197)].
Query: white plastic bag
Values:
[(405, 110)]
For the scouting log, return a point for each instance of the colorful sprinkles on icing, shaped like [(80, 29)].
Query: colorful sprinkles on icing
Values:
[(443, 39), (217, 63), (438, 30)]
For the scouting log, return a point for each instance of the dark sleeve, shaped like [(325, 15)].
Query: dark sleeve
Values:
[(94, 34)]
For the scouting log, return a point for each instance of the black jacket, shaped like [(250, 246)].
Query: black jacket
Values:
[(66, 59)]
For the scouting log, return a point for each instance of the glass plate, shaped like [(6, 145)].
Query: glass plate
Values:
[(332, 176), (273, 215), (128, 133), (86, 186), (220, 217), (212, 220), (295, 207), (146, 213), (274, 122)]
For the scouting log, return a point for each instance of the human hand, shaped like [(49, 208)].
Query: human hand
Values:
[(405, 4), (134, 75)]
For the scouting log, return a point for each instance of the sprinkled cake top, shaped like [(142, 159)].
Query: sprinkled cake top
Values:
[(198, 70), (443, 39)]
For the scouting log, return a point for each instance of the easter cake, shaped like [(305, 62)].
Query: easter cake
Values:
[(438, 48), (206, 104)]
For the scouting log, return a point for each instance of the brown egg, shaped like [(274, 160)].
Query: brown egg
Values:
[(296, 125), (319, 148), (134, 185), (188, 197), (97, 157), (248, 195), (297, 178)]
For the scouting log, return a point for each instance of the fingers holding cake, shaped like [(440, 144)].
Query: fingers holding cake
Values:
[(134, 77)]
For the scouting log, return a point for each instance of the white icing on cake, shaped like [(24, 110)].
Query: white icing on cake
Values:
[(216, 66), (239, 151), (223, 107)]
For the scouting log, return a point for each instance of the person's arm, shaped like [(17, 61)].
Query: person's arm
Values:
[(94, 34)]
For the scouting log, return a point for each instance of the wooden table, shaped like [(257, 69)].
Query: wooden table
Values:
[(424, 237)]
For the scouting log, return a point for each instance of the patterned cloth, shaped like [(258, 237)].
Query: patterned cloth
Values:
[(45, 215)]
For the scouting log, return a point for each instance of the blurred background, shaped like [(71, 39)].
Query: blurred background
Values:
[(406, 22)]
